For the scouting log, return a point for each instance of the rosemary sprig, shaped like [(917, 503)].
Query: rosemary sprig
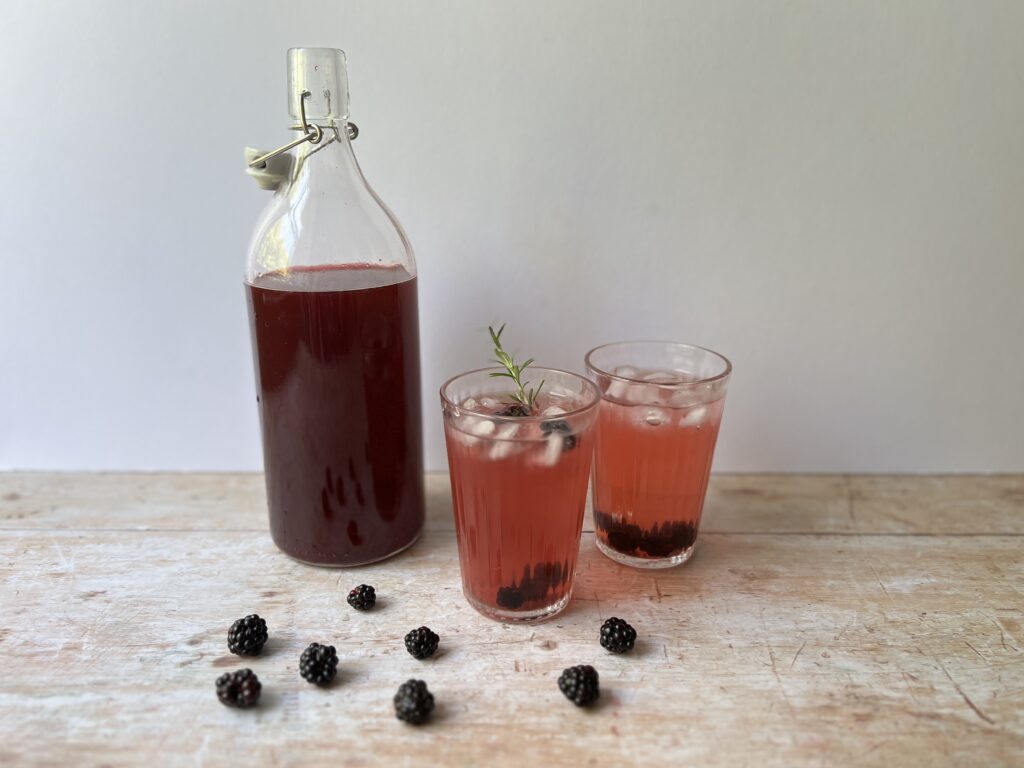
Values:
[(525, 395)]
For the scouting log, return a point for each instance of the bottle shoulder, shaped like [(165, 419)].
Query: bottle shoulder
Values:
[(326, 213)]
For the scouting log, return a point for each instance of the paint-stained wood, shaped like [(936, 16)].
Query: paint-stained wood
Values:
[(824, 621)]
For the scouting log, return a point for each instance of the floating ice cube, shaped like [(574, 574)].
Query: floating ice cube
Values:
[(683, 398), (559, 393), (616, 389), (552, 410), (694, 417), (642, 393), (469, 404), (489, 403), (655, 417), (469, 429), (503, 444), (480, 427), (662, 377), (548, 455)]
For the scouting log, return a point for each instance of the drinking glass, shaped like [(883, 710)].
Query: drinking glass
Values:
[(661, 406), (519, 487)]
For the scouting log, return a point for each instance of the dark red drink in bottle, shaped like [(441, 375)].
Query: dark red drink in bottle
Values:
[(331, 287)]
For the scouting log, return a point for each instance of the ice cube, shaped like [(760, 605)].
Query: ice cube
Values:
[(503, 443), (683, 398), (552, 410), (661, 377), (548, 455), (693, 417), (490, 403), (469, 429), (655, 417), (558, 393), (469, 404), (616, 389), (642, 393), (625, 372), (480, 427)]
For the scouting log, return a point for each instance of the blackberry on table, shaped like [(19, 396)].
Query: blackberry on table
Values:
[(413, 702), (318, 663), (580, 685), (421, 642), (362, 598), (247, 636), (239, 689), (617, 636)]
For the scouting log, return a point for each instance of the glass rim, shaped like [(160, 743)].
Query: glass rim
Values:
[(591, 403), (633, 380)]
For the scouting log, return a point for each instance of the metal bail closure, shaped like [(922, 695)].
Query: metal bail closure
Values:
[(269, 175), (310, 133)]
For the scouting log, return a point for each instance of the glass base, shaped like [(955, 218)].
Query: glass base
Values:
[(520, 617), (644, 562)]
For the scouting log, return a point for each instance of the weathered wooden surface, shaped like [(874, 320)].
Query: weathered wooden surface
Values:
[(823, 621)]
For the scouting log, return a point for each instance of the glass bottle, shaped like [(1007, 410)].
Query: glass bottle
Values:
[(331, 287)]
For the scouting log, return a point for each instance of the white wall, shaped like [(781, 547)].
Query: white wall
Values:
[(830, 193)]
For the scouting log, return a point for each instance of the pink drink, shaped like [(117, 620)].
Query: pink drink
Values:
[(656, 438), (519, 487)]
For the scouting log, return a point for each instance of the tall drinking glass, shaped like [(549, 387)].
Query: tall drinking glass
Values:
[(661, 406), (519, 486)]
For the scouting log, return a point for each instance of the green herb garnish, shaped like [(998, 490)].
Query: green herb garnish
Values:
[(525, 395)]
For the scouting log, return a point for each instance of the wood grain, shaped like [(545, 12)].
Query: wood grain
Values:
[(735, 504), (823, 621)]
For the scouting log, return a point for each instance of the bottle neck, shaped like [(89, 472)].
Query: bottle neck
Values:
[(328, 169)]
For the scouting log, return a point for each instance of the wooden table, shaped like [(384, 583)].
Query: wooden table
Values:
[(824, 621)]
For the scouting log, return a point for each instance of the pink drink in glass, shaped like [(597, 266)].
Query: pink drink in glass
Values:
[(660, 413), (519, 487)]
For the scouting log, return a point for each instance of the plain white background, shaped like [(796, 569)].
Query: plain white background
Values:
[(830, 193)]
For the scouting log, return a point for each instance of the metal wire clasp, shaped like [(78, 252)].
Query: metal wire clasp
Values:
[(311, 133)]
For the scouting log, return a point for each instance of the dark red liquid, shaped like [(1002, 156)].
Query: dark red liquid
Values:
[(338, 374)]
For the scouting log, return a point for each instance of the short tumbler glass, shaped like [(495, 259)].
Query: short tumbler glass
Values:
[(519, 488), (661, 406)]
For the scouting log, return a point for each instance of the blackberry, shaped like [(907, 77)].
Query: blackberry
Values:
[(247, 636), (513, 410), (617, 636), (535, 584), (510, 597), (318, 663), (413, 702), (362, 598), (239, 689), (569, 441), (664, 540), (579, 684), (421, 643)]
